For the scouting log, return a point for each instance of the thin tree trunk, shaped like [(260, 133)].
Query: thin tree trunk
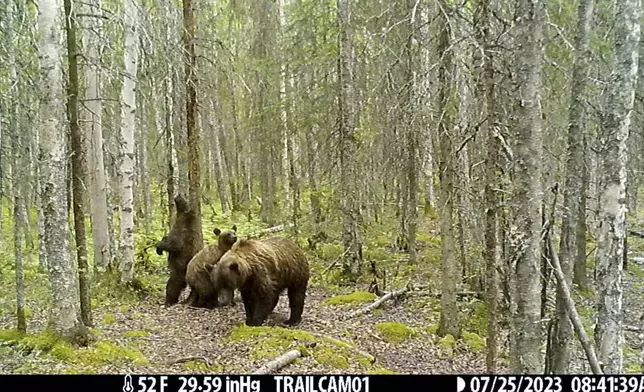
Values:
[(572, 213), (65, 317), (492, 183), (17, 176), (144, 186), (612, 173), (448, 323), (348, 148), (215, 129), (527, 197), (193, 138), (78, 166), (170, 152), (128, 116)]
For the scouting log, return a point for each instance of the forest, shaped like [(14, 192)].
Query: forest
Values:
[(448, 186)]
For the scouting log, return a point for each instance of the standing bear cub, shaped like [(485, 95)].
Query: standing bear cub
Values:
[(203, 294), (261, 270), (182, 243)]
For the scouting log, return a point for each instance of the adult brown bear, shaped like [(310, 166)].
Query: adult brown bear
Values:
[(203, 293), (261, 270), (181, 244)]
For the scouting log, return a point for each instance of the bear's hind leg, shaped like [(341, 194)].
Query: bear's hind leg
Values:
[(176, 283), (296, 295)]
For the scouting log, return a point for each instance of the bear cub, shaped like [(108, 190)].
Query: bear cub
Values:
[(203, 294)]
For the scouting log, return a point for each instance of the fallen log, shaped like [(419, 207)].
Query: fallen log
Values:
[(270, 230), (425, 293), (283, 360), (377, 303), (572, 311)]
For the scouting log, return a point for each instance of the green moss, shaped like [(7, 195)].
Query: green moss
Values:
[(136, 334), (109, 318), (473, 341), (270, 342), (104, 352), (432, 329), (79, 370), (355, 297), (394, 332), (10, 335), (447, 344), (326, 355)]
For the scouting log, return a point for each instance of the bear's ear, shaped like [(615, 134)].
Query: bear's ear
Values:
[(234, 266), (234, 227), (217, 231)]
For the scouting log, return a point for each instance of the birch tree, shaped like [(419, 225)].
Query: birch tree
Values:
[(101, 232), (65, 316), (526, 355), (612, 173), (128, 118)]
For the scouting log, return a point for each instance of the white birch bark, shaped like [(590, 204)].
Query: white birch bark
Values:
[(102, 244), (64, 316), (128, 118), (612, 174)]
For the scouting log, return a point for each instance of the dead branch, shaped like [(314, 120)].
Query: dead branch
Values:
[(270, 230), (192, 358), (283, 360), (636, 233), (572, 311), (377, 303), (425, 293)]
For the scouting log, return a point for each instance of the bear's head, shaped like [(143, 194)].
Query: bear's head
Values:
[(227, 238)]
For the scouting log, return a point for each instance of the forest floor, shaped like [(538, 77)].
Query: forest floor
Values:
[(135, 333)]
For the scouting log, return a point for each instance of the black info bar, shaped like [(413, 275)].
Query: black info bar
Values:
[(322, 383)]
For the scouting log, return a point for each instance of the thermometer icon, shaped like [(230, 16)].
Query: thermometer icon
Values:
[(127, 387)]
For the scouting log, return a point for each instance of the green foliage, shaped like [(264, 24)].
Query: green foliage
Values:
[(329, 252), (355, 297), (395, 332), (201, 367)]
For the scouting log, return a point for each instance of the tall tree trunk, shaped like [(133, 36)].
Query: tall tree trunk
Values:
[(17, 172), (492, 183), (194, 173), (128, 116), (64, 317), (612, 173), (573, 189), (143, 174), (348, 145), (527, 195), (101, 233), (78, 166), (448, 323)]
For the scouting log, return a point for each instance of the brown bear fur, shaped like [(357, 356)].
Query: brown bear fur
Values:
[(261, 270), (182, 242), (199, 268)]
